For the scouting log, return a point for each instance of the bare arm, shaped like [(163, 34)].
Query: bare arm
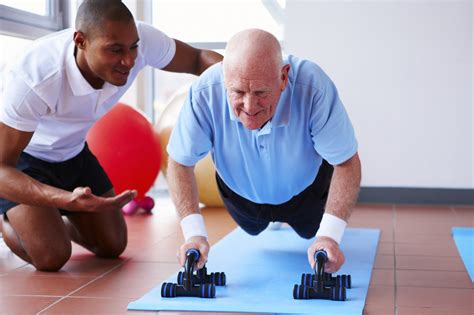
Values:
[(183, 188), (15, 185), (343, 193), (191, 60), (23, 189), (184, 193), (344, 190)]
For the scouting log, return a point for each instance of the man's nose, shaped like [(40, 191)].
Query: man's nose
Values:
[(250, 103), (128, 60)]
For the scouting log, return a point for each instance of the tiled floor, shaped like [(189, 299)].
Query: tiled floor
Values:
[(417, 270)]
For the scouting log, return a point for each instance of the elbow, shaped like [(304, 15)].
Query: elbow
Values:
[(174, 166), (351, 170), (205, 59), (357, 167), (199, 62)]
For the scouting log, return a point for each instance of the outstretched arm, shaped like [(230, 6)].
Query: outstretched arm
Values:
[(184, 193), (343, 193), (192, 60), (344, 190), (23, 189)]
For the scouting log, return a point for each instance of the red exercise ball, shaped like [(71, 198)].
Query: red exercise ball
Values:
[(125, 145)]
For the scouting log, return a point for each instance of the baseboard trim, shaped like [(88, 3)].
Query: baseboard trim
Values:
[(416, 195)]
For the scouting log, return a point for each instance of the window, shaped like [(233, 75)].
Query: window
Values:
[(36, 7), (208, 24), (11, 47), (30, 18), (215, 20)]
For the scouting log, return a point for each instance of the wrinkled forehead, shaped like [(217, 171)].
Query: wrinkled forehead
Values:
[(249, 79), (250, 69)]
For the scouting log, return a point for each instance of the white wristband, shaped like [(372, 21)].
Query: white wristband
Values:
[(193, 225), (331, 226)]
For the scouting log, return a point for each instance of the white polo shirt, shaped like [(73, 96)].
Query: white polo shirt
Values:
[(44, 91)]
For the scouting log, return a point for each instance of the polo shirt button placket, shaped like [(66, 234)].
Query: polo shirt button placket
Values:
[(262, 145)]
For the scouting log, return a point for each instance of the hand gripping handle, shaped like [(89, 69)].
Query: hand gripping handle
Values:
[(320, 257), (193, 254)]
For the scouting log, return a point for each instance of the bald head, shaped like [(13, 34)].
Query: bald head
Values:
[(253, 49), (254, 76), (92, 14)]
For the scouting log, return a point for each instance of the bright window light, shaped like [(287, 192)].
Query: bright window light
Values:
[(11, 47), (39, 7), (212, 20), (208, 24)]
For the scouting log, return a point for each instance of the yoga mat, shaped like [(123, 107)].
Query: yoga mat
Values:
[(464, 239), (262, 270)]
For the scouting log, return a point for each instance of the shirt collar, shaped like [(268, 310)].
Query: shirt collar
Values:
[(229, 105), (77, 82), (281, 117)]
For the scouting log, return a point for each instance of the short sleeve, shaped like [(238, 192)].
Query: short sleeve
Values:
[(331, 129), (20, 108), (157, 48), (191, 138)]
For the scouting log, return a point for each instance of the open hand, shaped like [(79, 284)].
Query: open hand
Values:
[(82, 199)]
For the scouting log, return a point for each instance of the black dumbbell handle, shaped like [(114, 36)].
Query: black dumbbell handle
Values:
[(192, 256), (320, 258)]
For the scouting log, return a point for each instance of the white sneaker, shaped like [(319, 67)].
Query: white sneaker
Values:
[(273, 226)]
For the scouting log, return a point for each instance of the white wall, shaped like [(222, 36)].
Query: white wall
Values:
[(472, 88), (404, 71)]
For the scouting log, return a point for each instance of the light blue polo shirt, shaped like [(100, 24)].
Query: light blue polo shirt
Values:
[(278, 161)]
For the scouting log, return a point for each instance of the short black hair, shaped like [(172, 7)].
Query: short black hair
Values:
[(91, 14)]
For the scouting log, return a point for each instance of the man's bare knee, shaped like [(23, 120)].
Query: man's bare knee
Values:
[(52, 260), (105, 234), (110, 245), (111, 248)]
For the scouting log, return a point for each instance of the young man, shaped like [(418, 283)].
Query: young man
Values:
[(52, 189)]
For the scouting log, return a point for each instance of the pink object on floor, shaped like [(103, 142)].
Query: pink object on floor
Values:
[(146, 203)]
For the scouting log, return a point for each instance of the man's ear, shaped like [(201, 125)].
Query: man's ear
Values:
[(79, 39), (284, 76)]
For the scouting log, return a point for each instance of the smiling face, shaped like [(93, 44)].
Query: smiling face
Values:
[(108, 54), (254, 93), (254, 76)]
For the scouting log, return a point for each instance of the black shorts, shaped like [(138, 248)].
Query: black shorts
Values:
[(80, 171), (303, 212)]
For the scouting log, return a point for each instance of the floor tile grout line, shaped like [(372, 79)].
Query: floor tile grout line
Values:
[(160, 240), (431, 287), (393, 223), (83, 286), (93, 280), (456, 215), (86, 284), (32, 295)]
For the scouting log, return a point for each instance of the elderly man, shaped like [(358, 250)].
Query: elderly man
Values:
[(278, 133), (52, 188)]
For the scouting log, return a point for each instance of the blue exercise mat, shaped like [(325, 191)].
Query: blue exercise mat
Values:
[(262, 270), (464, 239)]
